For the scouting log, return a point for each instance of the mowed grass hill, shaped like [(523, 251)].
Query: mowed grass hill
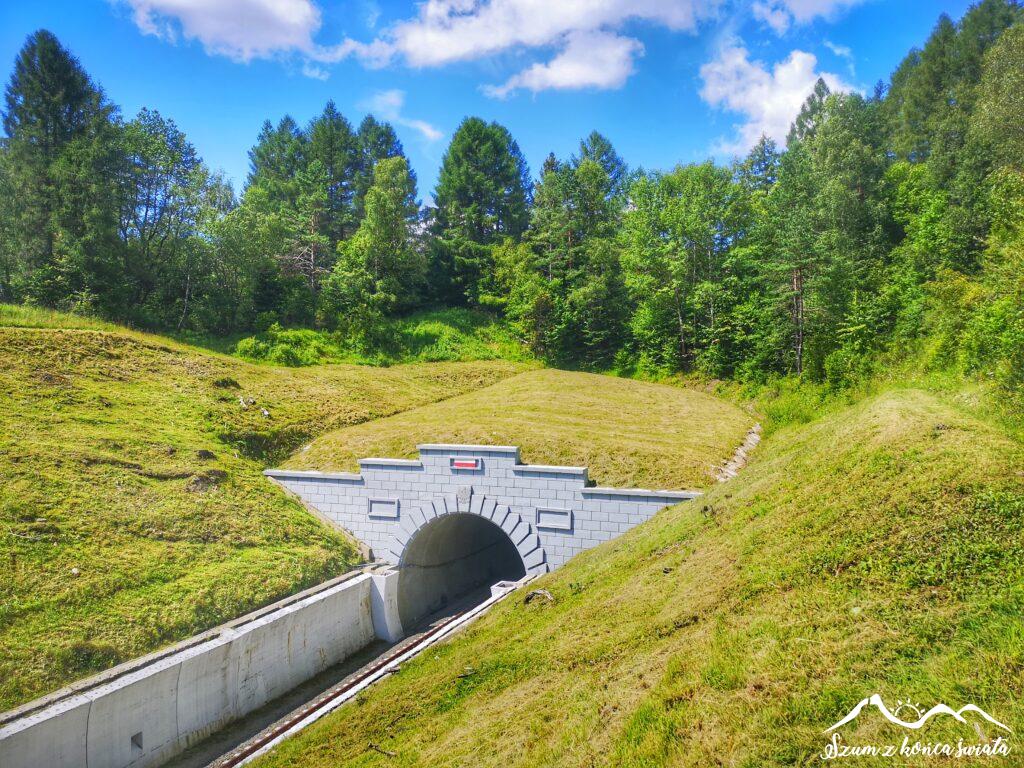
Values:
[(133, 512), (878, 548), (629, 433)]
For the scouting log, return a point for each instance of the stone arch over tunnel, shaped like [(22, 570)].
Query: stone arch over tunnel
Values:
[(449, 557)]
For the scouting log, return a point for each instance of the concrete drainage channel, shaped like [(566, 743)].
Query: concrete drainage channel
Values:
[(149, 711), (384, 665), (441, 527)]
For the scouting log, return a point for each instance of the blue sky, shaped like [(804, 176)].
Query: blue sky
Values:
[(667, 81)]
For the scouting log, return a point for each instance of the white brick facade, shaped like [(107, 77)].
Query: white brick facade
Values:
[(549, 513)]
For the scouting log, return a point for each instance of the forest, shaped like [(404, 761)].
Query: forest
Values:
[(889, 222)]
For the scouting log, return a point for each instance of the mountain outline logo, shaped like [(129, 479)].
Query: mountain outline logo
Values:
[(875, 700)]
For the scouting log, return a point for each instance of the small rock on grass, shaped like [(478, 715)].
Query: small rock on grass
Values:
[(538, 594)]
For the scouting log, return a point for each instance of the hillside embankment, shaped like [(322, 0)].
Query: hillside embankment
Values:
[(133, 512), (878, 548)]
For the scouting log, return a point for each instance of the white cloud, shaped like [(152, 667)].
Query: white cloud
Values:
[(780, 14), (313, 71), (371, 14), (239, 29), (388, 105), (767, 99), (243, 30), (457, 30), (589, 59), (438, 33), (775, 17), (843, 52), (375, 54), (446, 31), (582, 39)]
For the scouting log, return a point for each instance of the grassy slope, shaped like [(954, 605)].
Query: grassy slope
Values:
[(99, 471), (629, 433), (879, 548)]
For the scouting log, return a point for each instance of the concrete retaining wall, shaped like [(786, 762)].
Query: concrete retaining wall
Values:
[(145, 712), (558, 511)]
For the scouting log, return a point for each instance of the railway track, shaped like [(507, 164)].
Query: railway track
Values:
[(388, 663)]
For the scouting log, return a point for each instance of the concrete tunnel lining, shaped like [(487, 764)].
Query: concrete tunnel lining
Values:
[(449, 557)]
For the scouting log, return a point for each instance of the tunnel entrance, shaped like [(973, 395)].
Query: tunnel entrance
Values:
[(449, 558)]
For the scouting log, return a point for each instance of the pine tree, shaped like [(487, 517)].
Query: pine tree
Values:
[(376, 141), (60, 167), (599, 149), (380, 269), (924, 93), (307, 250), (385, 243), (760, 169), (806, 121), (482, 197), (552, 234), (335, 146), (279, 155)]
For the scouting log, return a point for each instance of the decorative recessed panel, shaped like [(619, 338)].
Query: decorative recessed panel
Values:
[(553, 519), (384, 509)]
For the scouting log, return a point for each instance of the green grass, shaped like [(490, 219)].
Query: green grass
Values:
[(629, 433), (22, 316), (444, 335), (878, 547), (132, 508)]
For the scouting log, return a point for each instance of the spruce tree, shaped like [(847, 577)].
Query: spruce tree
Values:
[(482, 197), (598, 148), (61, 163), (376, 141), (806, 121), (276, 160), (334, 144)]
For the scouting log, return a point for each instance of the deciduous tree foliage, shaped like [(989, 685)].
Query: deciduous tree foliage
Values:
[(381, 268), (374, 141), (887, 223)]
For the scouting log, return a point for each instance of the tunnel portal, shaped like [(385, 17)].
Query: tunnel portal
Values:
[(449, 558), (507, 518)]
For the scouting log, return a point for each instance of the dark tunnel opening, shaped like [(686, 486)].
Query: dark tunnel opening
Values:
[(449, 558)]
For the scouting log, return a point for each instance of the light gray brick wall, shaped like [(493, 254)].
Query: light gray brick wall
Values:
[(501, 489)]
